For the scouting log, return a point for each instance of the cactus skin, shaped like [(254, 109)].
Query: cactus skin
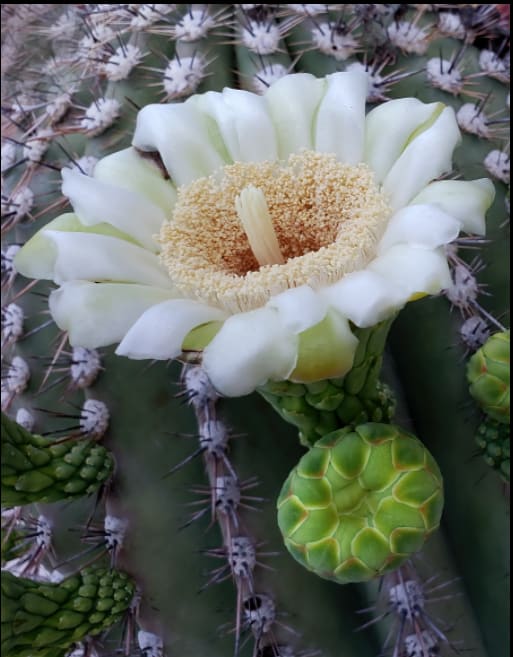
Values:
[(45, 619), (36, 469), (493, 439), (431, 373), (488, 377), (322, 407), (360, 502)]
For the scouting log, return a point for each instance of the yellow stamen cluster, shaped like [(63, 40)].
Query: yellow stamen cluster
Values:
[(328, 218)]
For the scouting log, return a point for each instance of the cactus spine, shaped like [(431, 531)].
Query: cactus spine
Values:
[(73, 77)]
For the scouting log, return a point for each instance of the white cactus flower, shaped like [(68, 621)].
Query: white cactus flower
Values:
[(259, 230)]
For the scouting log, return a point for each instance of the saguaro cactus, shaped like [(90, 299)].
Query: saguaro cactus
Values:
[(296, 218)]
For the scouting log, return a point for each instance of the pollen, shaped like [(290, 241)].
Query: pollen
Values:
[(327, 217)]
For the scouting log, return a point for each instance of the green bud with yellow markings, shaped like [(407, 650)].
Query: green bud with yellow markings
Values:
[(360, 502), (488, 377)]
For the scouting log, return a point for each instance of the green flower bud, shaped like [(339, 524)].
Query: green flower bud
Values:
[(488, 376), (360, 502)]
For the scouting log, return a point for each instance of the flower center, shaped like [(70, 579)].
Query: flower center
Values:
[(252, 230)]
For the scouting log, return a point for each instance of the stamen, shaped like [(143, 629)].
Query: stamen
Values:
[(254, 216)]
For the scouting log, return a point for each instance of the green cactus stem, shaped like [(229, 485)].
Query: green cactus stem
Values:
[(37, 469), (42, 619), (493, 438)]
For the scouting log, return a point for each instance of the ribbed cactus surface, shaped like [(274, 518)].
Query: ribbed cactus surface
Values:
[(37, 469), (45, 619), (156, 474)]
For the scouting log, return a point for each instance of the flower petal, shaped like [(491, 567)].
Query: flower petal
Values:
[(96, 202), (132, 170), (250, 349), (419, 225), (388, 129), (340, 120), (365, 297), (244, 123), (99, 314), (325, 350), (416, 269), (426, 157), (180, 133), (466, 200), (36, 259), (299, 308), (293, 101), (160, 331), (90, 257)]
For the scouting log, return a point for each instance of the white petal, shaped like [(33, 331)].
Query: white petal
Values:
[(388, 128), (365, 297), (160, 331), (96, 202), (89, 257), (293, 101), (180, 133), (244, 123), (299, 308), (99, 314), (419, 225), (132, 170), (250, 349), (340, 121), (36, 259), (426, 157), (466, 200), (418, 270)]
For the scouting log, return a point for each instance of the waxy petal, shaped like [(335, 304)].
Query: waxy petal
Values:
[(419, 225), (465, 200), (97, 202), (136, 171), (243, 122), (340, 120), (416, 269), (160, 331), (90, 257), (388, 128), (250, 349), (99, 314), (180, 133), (37, 257), (427, 156), (299, 308), (293, 101), (365, 297)]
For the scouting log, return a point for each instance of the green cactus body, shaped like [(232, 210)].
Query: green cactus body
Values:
[(72, 57), (360, 502), (493, 439), (42, 619), (11, 548), (488, 377), (37, 469), (323, 406)]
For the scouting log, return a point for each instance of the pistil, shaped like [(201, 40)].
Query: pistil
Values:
[(256, 220)]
